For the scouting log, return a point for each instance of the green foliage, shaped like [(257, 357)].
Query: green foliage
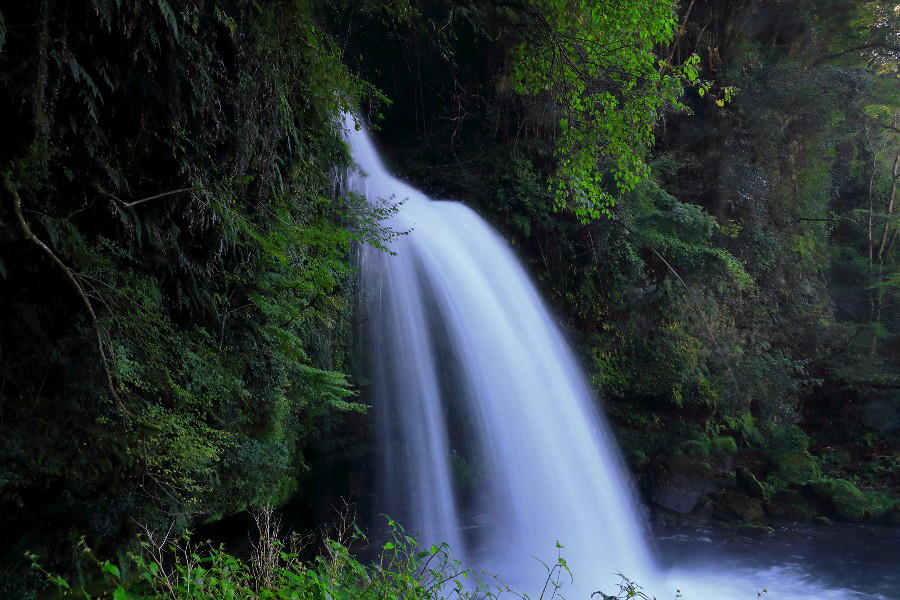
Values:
[(186, 184), (788, 437), (710, 446), (402, 570), (597, 63), (849, 502)]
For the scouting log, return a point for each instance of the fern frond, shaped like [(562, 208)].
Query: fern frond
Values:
[(2, 32)]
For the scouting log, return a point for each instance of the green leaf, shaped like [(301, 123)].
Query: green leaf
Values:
[(110, 568), (120, 594)]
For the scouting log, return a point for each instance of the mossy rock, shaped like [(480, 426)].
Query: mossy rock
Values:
[(749, 483), (797, 467), (744, 507), (849, 502), (717, 446), (792, 504)]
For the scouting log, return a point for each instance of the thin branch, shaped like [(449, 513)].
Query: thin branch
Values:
[(148, 198), (693, 300), (73, 279), (895, 174), (885, 125), (871, 191), (870, 46), (678, 37), (812, 219)]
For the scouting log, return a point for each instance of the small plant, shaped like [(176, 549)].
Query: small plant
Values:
[(627, 590), (555, 574)]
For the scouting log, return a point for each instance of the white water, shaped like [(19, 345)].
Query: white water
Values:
[(470, 374)]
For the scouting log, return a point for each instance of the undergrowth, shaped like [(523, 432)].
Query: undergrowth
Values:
[(164, 566)]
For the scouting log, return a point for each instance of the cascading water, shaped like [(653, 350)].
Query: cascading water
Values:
[(469, 373), (487, 433)]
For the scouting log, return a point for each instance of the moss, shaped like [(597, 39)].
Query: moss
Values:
[(797, 467), (723, 445), (706, 446), (695, 448), (749, 483), (639, 458), (744, 507), (849, 502), (789, 438)]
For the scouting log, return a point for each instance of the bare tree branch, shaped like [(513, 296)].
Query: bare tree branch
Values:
[(73, 279), (148, 198)]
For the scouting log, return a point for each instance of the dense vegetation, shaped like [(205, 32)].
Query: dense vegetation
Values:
[(707, 194), (175, 267)]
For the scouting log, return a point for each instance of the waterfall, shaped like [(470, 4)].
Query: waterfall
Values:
[(474, 386)]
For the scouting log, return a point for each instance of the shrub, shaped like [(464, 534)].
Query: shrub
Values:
[(723, 445), (787, 437)]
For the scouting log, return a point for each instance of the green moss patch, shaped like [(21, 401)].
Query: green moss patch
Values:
[(849, 502), (797, 467)]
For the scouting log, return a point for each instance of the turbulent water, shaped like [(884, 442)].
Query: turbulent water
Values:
[(487, 433)]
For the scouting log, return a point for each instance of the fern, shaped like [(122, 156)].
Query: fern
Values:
[(170, 18)]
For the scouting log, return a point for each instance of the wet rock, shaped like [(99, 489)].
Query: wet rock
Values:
[(749, 483), (848, 502), (792, 504), (753, 530), (679, 483), (741, 506)]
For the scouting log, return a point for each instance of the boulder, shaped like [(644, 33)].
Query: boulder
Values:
[(753, 530), (792, 504), (797, 467), (741, 506), (749, 483), (678, 483), (848, 502)]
